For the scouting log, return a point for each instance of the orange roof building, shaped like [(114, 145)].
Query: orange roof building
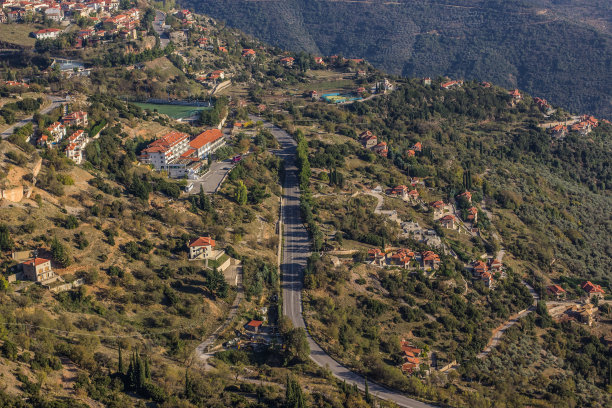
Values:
[(201, 248), (207, 142)]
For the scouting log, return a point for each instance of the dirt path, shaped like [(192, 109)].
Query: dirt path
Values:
[(204, 351)]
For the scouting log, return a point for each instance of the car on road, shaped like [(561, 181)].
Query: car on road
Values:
[(236, 159), (188, 187)]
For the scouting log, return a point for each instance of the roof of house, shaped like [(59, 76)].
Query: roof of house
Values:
[(166, 142), (47, 30), (206, 137), (437, 204), (591, 287), (465, 194), (36, 261), (448, 217), (556, 289), (255, 323), (202, 241), (430, 256)]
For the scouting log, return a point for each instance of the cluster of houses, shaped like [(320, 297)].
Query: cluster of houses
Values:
[(584, 126), (56, 132), (590, 289), (105, 15), (404, 258), (370, 142), (15, 84), (486, 271), (411, 357), (180, 155)]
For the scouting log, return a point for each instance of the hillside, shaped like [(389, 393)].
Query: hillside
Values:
[(541, 47)]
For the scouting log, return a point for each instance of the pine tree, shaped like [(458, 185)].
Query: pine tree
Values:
[(60, 253), (368, 397)]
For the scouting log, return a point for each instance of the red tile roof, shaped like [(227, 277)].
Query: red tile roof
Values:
[(255, 323), (202, 241), (591, 288), (555, 289), (208, 136), (36, 261), (166, 142)]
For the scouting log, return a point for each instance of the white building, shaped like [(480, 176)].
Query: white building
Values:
[(54, 14), (165, 150), (206, 143), (201, 248), (78, 140), (47, 33)]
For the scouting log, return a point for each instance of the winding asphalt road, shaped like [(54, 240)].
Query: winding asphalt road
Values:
[(55, 102), (296, 250)]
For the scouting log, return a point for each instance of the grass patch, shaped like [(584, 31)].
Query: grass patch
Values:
[(18, 34)]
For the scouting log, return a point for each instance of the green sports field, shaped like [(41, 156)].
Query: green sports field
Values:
[(174, 111)]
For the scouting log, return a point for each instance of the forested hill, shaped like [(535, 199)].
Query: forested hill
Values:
[(560, 51)]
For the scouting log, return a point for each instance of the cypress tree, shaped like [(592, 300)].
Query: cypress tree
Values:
[(120, 368), (368, 398)]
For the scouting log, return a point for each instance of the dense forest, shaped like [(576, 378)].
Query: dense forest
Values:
[(513, 44)]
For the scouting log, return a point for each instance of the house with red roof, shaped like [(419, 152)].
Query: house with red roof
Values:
[(376, 256), (398, 191), (451, 84), (57, 131), (201, 248), (466, 196), (287, 62), (37, 270), (448, 221), (381, 149), (516, 95), (368, 140), (249, 53), (78, 118), (472, 215), (417, 147), (480, 270), (558, 131), (411, 357), (401, 257), (47, 33), (556, 291), (163, 151), (413, 195), (254, 326), (430, 260), (411, 153), (437, 205), (592, 289)]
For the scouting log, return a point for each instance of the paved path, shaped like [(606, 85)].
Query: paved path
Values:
[(296, 250), (55, 102)]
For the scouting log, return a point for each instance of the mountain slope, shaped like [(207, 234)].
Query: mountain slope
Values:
[(540, 47)]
